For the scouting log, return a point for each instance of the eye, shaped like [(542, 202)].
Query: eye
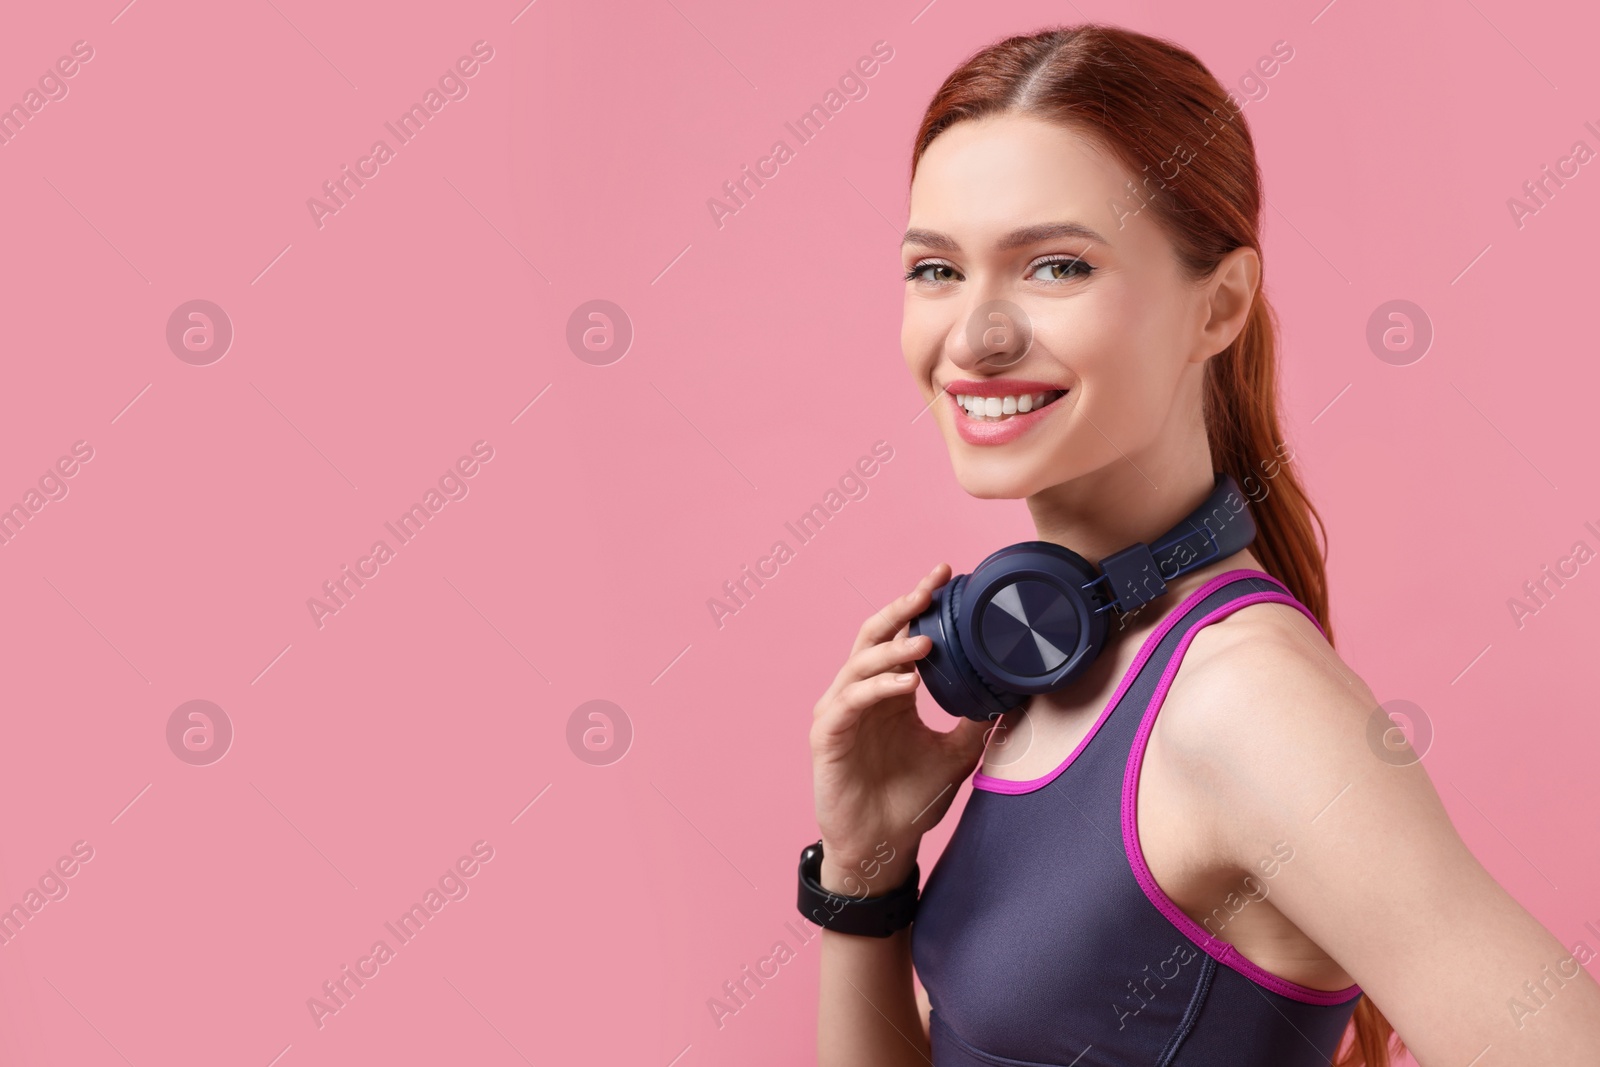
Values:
[(943, 273), (1060, 269)]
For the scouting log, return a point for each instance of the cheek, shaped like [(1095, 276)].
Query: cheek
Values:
[(1100, 340), (1117, 346), (1140, 330), (922, 333)]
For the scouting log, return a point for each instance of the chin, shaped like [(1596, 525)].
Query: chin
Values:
[(996, 478)]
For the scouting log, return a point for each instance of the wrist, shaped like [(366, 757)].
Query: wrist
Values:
[(866, 873)]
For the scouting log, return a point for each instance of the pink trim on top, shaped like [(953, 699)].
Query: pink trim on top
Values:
[(990, 784), (1217, 949)]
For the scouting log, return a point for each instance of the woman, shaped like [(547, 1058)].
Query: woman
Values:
[(1192, 853)]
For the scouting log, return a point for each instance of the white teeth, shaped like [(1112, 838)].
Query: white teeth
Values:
[(1000, 407)]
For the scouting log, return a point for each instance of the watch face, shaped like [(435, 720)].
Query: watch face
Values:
[(1029, 628)]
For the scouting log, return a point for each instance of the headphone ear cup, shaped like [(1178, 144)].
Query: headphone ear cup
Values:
[(1005, 698), (1027, 623), (946, 670)]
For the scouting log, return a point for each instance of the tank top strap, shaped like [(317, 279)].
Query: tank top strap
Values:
[(1097, 764), (1126, 721)]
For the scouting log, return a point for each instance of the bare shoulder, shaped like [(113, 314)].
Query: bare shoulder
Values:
[(1263, 656), (1262, 707)]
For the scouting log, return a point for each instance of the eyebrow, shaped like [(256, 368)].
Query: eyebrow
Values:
[(1028, 235)]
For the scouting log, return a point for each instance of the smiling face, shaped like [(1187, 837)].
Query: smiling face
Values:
[(1020, 226)]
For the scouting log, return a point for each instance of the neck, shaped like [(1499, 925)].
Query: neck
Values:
[(1109, 509)]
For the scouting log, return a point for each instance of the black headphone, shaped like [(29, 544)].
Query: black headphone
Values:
[(1033, 616)]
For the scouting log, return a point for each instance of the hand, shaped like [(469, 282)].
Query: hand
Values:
[(881, 777)]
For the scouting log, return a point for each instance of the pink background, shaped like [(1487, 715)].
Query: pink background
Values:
[(426, 314)]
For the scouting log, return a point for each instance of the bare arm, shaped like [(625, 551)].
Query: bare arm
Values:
[(867, 1014), (1381, 881), (876, 766)]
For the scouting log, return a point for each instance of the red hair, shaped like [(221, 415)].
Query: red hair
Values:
[(1156, 108)]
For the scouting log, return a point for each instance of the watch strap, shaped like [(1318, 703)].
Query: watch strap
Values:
[(879, 916)]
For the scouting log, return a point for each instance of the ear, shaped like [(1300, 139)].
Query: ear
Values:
[(1226, 298)]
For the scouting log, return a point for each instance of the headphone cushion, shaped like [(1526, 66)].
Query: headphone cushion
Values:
[(1005, 697)]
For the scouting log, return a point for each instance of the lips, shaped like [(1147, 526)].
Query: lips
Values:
[(996, 411)]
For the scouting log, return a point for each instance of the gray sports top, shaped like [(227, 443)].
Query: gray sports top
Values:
[(1043, 940)]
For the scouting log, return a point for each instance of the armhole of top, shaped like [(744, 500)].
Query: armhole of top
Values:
[(990, 784), (1219, 950)]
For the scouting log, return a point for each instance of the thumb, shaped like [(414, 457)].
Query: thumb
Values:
[(967, 741)]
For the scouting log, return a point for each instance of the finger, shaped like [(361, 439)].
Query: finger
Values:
[(964, 746), (875, 659), (882, 625), (970, 738), (845, 710)]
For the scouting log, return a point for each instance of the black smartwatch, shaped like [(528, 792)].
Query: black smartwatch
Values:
[(865, 916)]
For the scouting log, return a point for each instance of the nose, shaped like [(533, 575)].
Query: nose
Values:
[(997, 334)]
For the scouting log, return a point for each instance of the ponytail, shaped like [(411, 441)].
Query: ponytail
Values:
[(1242, 425)]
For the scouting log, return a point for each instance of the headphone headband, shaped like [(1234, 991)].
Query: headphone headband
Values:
[(1219, 527)]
